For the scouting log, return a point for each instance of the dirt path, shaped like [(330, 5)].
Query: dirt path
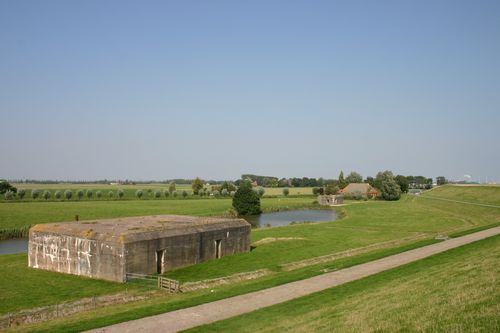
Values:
[(207, 313)]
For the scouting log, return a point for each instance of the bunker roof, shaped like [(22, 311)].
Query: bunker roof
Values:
[(133, 229)]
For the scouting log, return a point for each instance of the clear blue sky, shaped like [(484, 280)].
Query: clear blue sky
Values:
[(158, 90)]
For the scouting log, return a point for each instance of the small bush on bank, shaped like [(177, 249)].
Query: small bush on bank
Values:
[(120, 194), (58, 194), (139, 194)]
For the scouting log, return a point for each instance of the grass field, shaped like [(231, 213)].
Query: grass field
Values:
[(129, 191), (449, 292), (364, 223), (19, 214)]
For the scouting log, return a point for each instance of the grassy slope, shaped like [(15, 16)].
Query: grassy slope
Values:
[(119, 313), (469, 193), (452, 291)]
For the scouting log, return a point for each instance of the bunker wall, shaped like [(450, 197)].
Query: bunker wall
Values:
[(75, 255)]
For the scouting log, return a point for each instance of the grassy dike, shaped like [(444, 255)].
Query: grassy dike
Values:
[(120, 313), (449, 292)]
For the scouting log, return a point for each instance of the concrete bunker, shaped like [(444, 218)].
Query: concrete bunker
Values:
[(108, 249)]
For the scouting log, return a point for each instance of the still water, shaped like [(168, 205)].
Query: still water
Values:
[(280, 219), (10, 246)]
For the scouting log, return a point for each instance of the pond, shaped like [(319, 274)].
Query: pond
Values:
[(280, 219), (9, 246)]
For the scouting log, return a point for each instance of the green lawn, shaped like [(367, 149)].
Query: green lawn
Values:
[(456, 291)]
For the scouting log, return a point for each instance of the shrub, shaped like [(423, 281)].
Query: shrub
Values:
[(184, 193), (318, 191), (224, 192), (331, 189), (68, 194), (21, 193), (98, 194), (232, 193), (89, 194), (166, 193), (286, 191), (356, 195), (201, 192), (246, 201), (261, 191), (120, 194), (139, 193), (196, 185), (58, 194), (216, 193), (174, 194), (35, 194), (111, 194), (9, 195), (157, 194), (46, 195), (79, 194), (171, 188)]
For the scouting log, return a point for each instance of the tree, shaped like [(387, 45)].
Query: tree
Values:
[(35, 194), (184, 193), (353, 177), (5, 186), (228, 186), (342, 182), (197, 185), (120, 193), (9, 195), (79, 194), (441, 180), (371, 181), (68, 194), (46, 195), (58, 195), (286, 191), (139, 193), (331, 189), (166, 193), (171, 187), (246, 201), (98, 194), (157, 194), (387, 185), (403, 183), (89, 194), (318, 190), (21, 193)]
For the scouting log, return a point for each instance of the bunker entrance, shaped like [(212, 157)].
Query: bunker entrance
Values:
[(160, 261), (218, 252)]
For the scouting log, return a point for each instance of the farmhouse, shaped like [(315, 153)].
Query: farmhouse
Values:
[(363, 189), (108, 249)]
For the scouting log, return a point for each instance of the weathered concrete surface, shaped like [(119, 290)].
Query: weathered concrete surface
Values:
[(210, 312), (108, 249)]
